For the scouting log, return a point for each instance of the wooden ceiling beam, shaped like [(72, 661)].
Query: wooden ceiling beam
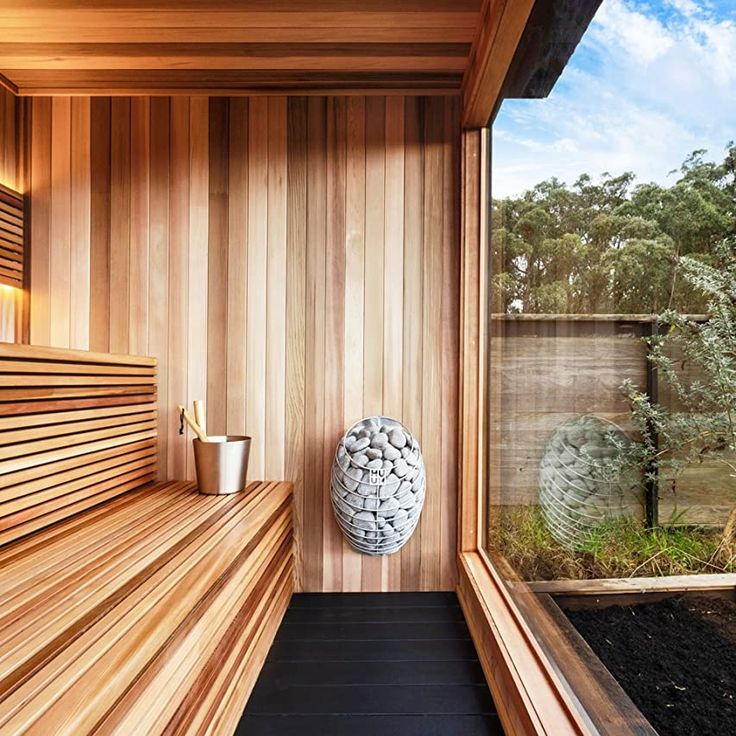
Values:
[(228, 82), (403, 33), (501, 27), (305, 57), (117, 22), (261, 6)]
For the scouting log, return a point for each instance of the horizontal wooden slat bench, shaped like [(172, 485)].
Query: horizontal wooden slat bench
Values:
[(126, 606)]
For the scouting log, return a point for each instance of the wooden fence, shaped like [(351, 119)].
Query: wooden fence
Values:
[(546, 369)]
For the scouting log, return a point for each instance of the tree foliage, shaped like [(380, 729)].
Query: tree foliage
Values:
[(696, 360), (612, 246)]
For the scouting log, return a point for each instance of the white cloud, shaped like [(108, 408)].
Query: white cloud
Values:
[(686, 7), (618, 25), (642, 91)]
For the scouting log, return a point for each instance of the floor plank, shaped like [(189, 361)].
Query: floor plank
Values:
[(341, 631), (462, 672), (373, 700), (371, 600), (286, 725), (376, 615), (388, 663)]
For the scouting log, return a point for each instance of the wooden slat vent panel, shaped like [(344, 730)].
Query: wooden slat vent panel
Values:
[(11, 237), (76, 429)]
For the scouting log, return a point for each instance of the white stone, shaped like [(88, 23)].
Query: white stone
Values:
[(379, 440), (406, 500), (365, 520), (355, 500), (360, 444), (360, 459), (388, 508), (400, 518), (340, 504), (397, 438), (371, 503), (401, 468), (391, 453), (355, 473)]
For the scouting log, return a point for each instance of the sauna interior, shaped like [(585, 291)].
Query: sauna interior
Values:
[(279, 209)]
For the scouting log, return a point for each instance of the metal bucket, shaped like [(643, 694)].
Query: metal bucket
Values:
[(222, 464)]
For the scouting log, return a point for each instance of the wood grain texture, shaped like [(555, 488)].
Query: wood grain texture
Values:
[(54, 455), (472, 342), (293, 261), (500, 28), (163, 48), (528, 693), (10, 129), (158, 609)]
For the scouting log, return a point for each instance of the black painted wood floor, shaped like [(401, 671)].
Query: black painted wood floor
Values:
[(371, 664)]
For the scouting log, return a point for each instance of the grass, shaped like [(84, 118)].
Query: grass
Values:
[(617, 549)]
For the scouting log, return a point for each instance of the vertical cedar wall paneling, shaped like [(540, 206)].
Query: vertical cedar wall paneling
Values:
[(294, 261), (9, 140)]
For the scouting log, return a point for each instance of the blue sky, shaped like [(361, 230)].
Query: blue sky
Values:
[(649, 83)]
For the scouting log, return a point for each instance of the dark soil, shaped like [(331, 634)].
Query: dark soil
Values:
[(676, 659)]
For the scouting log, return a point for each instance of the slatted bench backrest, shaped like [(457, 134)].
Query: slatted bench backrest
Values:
[(76, 429)]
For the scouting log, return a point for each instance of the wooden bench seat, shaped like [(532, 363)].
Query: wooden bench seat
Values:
[(143, 616), (126, 606)]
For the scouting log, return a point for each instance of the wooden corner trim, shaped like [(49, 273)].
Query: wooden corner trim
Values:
[(530, 697), (501, 25)]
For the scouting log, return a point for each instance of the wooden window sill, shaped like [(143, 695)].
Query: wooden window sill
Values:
[(530, 697)]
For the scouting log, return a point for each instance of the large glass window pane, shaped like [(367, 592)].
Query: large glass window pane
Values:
[(611, 373)]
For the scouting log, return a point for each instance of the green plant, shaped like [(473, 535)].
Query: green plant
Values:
[(617, 548), (696, 361)]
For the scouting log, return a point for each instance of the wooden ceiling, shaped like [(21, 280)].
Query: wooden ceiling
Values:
[(235, 46)]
